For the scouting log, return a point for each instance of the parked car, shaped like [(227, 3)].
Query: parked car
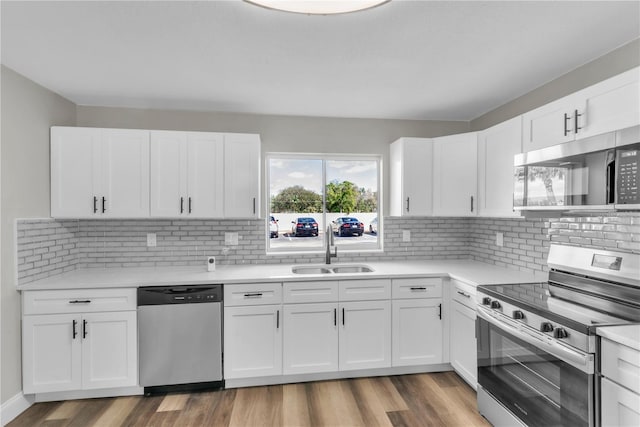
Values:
[(304, 226), (273, 227), (347, 226), (373, 226)]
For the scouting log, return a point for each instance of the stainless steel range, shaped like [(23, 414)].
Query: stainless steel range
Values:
[(538, 352)]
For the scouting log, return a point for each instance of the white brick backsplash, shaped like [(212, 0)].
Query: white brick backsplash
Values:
[(48, 247)]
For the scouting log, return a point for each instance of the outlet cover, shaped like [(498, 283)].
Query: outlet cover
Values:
[(151, 240), (500, 239), (406, 235), (231, 239)]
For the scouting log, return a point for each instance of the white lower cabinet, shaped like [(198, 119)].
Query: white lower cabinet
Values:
[(253, 341), (417, 332), (463, 332), (620, 406), (620, 385), (79, 351), (365, 335), (310, 338)]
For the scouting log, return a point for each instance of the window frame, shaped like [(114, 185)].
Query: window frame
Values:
[(324, 157)]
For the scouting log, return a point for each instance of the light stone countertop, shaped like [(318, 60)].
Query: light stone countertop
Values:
[(628, 335), (472, 272)]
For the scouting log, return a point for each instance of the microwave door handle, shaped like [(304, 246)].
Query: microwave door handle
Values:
[(611, 180), (582, 361)]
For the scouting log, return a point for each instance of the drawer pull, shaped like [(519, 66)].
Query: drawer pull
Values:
[(418, 288), (80, 301), (464, 294), (253, 295)]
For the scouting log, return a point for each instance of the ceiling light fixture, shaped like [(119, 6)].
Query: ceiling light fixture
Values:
[(318, 7)]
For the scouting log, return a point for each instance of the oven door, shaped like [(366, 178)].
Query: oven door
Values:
[(541, 382)]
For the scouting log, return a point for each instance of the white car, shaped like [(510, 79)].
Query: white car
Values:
[(273, 227)]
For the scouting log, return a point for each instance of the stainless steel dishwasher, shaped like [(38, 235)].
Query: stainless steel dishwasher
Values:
[(180, 337)]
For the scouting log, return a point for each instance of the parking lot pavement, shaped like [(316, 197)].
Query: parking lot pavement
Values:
[(286, 241)]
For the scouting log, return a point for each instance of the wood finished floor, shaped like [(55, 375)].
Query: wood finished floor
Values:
[(440, 399)]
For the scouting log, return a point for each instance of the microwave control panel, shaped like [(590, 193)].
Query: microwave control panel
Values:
[(627, 177)]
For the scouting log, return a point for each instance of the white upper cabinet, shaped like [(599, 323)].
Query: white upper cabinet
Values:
[(187, 174), (99, 173), (242, 175), (496, 148), (411, 177), (606, 106), (455, 175)]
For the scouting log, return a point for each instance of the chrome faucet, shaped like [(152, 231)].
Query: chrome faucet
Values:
[(330, 243)]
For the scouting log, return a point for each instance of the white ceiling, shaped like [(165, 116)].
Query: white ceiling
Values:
[(449, 60)]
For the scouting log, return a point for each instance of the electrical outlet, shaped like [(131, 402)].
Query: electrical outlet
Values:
[(500, 239), (231, 239), (406, 235), (151, 240)]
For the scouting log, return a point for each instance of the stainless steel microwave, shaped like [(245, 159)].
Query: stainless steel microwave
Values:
[(598, 173)]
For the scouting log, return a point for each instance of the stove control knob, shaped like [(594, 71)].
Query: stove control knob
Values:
[(518, 314), (560, 333), (495, 304), (486, 301), (546, 327)]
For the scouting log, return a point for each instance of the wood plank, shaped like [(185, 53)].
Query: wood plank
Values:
[(118, 411), (89, 411), (403, 419), (388, 394), (332, 404), (143, 410), (34, 415), (295, 408), (173, 402), (419, 399), (257, 406), (65, 410), (372, 410), (220, 415)]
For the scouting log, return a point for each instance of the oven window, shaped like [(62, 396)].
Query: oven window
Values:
[(538, 388)]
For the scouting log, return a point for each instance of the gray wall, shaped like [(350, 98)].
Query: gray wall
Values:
[(280, 133), (615, 62), (28, 110)]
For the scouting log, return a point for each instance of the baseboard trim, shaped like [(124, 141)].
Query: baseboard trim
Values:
[(89, 394), (13, 407)]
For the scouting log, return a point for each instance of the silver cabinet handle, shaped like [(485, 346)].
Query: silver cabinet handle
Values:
[(181, 204), (471, 203), (253, 295), (189, 204), (104, 204), (464, 294), (407, 204), (80, 301), (254, 205), (576, 128), (566, 120)]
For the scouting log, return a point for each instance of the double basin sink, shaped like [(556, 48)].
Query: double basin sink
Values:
[(338, 269)]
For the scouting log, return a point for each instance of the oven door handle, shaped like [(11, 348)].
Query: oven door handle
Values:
[(582, 361)]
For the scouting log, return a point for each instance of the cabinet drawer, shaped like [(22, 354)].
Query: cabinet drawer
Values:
[(78, 301), (252, 294), (464, 293), (361, 290), (621, 364), (423, 287), (318, 291)]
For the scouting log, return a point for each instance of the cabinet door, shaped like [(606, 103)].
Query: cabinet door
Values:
[(417, 332), (109, 350), (549, 125), (51, 353), (125, 173), (205, 175), (620, 407), (310, 338), (496, 148), (252, 341), (168, 173), (365, 335), (242, 175), (75, 152), (454, 175), (411, 177), (610, 105), (463, 343)]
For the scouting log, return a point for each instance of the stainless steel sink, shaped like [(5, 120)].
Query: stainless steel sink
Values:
[(310, 270), (352, 269)]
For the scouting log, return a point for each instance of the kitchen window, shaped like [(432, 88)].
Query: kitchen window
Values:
[(309, 193)]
